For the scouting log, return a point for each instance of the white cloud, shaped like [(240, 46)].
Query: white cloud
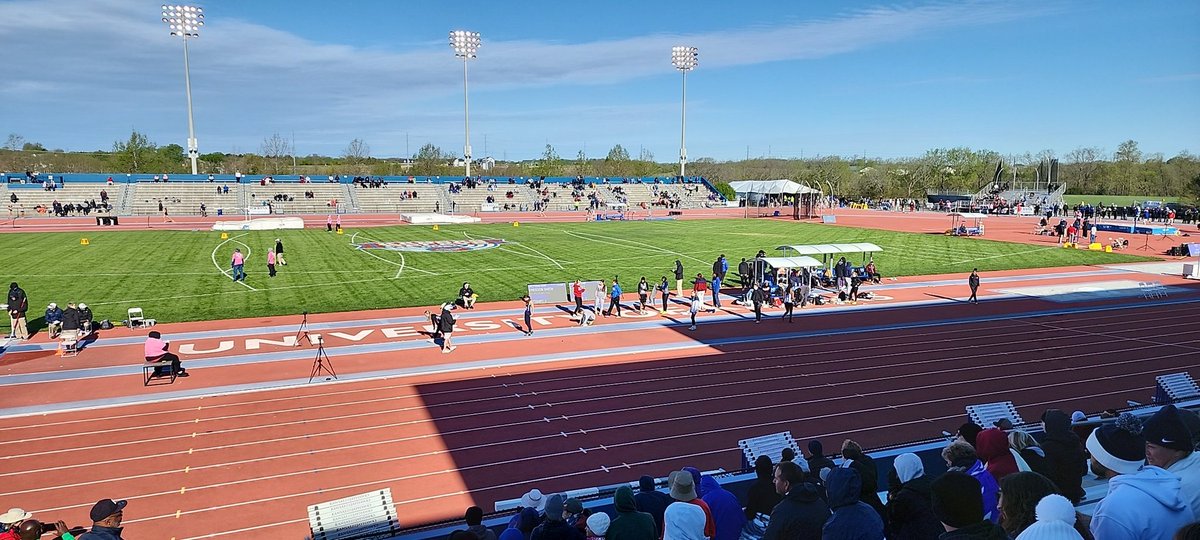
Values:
[(96, 67)]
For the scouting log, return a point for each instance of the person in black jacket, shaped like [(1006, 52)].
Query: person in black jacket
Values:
[(279, 252), (18, 305), (678, 278), (71, 321), (909, 508), (652, 501), (446, 326), (761, 498), (817, 461), (802, 512), (869, 473), (555, 528), (1066, 459), (758, 297)]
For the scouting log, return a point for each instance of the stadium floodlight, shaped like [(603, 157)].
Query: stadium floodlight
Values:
[(684, 59), (465, 45), (185, 22)]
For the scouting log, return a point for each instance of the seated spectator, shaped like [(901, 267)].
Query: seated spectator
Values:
[(156, 351), (85, 319), (1142, 502), (70, 318), (958, 503), (651, 501), (1022, 492), (868, 474), (683, 490), (909, 508), (960, 456), (54, 317), (802, 512), (1066, 459), (993, 449), (10, 521), (727, 511), (1027, 448), (574, 514), (852, 519), (1170, 445), (761, 497), (31, 529), (474, 518), (630, 524), (106, 520), (554, 527), (1056, 519), (683, 521), (817, 461), (597, 526), (968, 432)]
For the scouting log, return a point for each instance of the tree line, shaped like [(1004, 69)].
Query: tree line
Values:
[(1086, 170)]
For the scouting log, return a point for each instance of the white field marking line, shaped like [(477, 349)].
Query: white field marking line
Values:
[(1093, 323), (523, 246), (1087, 331), (401, 264), (634, 243), (630, 409), (1005, 255), (328, 490), (214, 261)]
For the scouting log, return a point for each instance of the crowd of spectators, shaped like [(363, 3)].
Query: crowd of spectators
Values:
[(1000, 483), (106, 517)]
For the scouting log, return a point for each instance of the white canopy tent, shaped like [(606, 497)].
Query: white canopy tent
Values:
[(961, 223), (756, 193), (828, 251), (791, 262)]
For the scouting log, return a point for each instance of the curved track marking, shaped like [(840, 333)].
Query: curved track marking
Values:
[(224, 272)]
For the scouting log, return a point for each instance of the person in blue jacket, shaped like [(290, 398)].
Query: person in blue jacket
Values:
[(852, 519), (726, 510), (54, 317), (615, 297)]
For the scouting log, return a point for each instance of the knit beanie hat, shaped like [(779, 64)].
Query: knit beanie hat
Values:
[(957, 499), (1167, 429), (554, 507), (1055, 521), (969, 431), (1120, 447), (598, 523)]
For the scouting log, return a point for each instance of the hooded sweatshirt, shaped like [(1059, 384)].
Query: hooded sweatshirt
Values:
[(991, 488), (725, 508), (1066, 459), (652, 501), (1188, 470), (684, 521), (852, 519), (991, 445), (1145, 505), (629, 523), (910, 510)]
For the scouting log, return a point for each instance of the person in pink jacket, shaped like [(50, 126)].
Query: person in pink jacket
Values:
[(271, 263), (238, 262), (156, 351)]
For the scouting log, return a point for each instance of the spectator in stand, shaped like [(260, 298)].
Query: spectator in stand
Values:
[(1169, 445), (761, 497), (597, 526), (1019, 495), (868, 474), (726, 510), (852, 519), (70, 319), (1066, 459), (683, 490), (1027, 447), (652, 501), (9, 521), (630, 524), (106, 520), (683, 521), (968, 432), (1143, 502), (18, 305), (992, 448), (156, 351), (802, 512), (817, 461), (1056, 519), (474, 518), (959, 505), (960, 456), (554, 528), (54, 320), (523, 523), (909, 510), (574, 514)]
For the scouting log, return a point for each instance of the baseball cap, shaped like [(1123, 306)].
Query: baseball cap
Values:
[(105, 508)]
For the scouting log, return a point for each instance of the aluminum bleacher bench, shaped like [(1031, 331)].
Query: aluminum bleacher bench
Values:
[(358, 517)]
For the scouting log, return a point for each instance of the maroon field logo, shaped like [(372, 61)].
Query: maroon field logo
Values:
[(435, 246)]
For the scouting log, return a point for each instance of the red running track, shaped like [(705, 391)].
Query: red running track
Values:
[(249, 463)]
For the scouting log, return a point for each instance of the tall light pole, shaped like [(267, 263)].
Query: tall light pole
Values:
[(684, 59), (185, 22), (465, 45)]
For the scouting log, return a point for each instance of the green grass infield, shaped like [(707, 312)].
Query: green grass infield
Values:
[(184, 276)]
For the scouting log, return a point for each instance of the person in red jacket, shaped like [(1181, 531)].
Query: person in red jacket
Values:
[(991, 445)]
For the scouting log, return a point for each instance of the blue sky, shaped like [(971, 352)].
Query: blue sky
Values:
[(786, 79)]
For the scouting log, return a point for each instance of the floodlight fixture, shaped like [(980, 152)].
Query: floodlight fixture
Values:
[(465, 44), (685, 59), (185, 21)]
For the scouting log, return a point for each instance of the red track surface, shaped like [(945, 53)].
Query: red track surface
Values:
[(248, 463)]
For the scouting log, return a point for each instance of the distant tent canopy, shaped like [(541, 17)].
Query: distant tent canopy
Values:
[(757, 192)]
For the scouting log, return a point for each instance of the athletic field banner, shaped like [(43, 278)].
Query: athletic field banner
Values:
[(435, 246)]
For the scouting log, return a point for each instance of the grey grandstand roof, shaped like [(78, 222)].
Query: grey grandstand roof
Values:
[(771, 187)]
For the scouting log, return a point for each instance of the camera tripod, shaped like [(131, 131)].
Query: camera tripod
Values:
[(322, 362), (300, 331)]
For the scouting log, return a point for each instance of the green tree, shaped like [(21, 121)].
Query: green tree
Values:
[(617, 161), (1128, 152), (549, 165), (33, 147), (582, 166), (14, 142), (430, 160), (133, 155), (276, 150)]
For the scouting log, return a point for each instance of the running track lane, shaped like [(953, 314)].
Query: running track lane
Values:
[(258, 460)]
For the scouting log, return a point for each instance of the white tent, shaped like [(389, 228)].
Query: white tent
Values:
[(791, 262), (771, 187), (832, 249)]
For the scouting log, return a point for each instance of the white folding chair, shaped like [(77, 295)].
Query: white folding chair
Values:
[(136, 318)]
